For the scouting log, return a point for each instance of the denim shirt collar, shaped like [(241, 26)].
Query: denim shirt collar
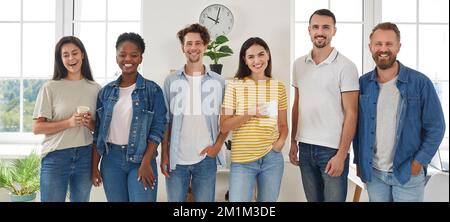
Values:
[(402, 74), (139, 82)]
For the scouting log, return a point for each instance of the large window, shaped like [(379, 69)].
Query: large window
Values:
[(424, 26), (349, 24), (98, 23), (27, 43), (32, 28)]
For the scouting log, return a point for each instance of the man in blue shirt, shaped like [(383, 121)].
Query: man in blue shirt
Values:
[(193, 143), (400, 125)]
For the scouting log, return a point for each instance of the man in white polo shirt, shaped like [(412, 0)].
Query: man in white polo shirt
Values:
[(324, 114)]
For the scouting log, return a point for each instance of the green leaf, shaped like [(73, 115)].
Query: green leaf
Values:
[(21, 176), (210, 54), (225, 49), (221, 55), (221, 39), (215, 54)]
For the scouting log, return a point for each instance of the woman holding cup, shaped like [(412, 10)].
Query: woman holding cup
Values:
[(62, 114), (255, 109)]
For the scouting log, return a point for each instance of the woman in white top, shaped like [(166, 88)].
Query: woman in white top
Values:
[(130, 125), (62, 114)]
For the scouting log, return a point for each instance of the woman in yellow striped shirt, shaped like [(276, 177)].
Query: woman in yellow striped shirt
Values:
[(254, 108)]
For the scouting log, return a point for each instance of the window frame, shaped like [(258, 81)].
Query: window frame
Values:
[(27, 137), (64, 25), (372, 15)]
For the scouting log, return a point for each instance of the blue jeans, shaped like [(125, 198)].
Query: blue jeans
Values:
[(63, 169), (120, 177), (384, 187), (266, 172), (203, 176), (318, 185)]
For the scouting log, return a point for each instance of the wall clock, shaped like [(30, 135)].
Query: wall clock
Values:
[(218, 19)]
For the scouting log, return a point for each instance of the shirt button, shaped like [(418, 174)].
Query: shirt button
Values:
[(131, 158), (134, 131), (137, 117), (123, 147), (132, 144), (137, 104)]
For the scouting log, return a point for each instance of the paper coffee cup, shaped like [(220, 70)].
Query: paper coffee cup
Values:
[(82, 109)]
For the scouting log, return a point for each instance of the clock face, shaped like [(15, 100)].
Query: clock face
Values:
[(218, 19)]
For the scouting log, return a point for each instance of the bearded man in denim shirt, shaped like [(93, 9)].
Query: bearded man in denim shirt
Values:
[(400, 126)]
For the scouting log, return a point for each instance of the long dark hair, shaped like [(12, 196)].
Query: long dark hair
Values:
[(243, 70), (60, 72)]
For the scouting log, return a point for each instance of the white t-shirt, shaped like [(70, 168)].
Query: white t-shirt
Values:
[(58, 100), (119, 130), (321, 114), (386, 127), (194, 135)]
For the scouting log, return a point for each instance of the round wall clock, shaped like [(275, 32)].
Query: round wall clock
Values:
[(218, 19)]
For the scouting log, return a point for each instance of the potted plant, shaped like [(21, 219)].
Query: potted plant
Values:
[(217, 50), (21, 177)]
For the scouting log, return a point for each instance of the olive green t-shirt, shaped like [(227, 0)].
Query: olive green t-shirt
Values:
[(58, 100)]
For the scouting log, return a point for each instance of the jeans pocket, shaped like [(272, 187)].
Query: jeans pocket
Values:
[(210, 157), (420, 173), (275, 150)]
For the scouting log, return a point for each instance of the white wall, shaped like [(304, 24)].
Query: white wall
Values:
[(267, 19)]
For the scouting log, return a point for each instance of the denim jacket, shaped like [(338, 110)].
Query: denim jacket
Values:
[(148, 121), (213, 87), (420, 123)]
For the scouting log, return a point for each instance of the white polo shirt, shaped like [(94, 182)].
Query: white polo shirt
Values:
[(321, 114)]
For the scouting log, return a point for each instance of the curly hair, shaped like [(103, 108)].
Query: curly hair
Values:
[(195, 28), (133, 38)]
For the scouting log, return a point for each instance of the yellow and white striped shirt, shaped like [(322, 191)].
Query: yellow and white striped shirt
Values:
[(253, 139)]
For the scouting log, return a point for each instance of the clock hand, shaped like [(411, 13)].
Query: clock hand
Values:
[(213, 20), (217, 18)]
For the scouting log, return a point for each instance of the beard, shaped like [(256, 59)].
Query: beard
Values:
[(194, 60), (320, 44), (384, 63)]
